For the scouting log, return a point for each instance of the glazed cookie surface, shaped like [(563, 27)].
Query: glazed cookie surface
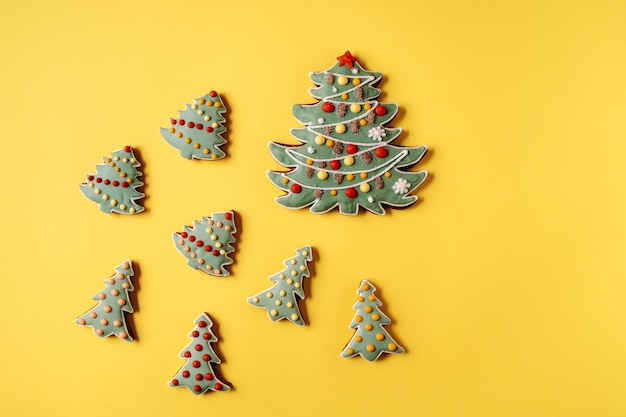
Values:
[(345, 158)]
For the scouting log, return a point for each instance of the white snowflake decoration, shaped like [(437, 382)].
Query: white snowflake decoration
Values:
[(320, 120), (377, 133), (370, 199), (401, 186), (310, 149), (334, 89)]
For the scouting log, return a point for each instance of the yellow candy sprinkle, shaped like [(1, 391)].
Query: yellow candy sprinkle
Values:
[(215, 125), (309, 162), (305, 253), (105, 197), (375, 317), (356, 81), (358, 319), (289, 281), (285, 180), (209, 103), (123, 174), (112, 164), (380, 336), (218, 244), (350, 177), (342, 80), (97, 191), (179, 135), (200, 112), (274, 313), (367, 106), (218, 104), (278, 302), (289, 304), (371, 298), (114, 202), (194, 106), (91, 185), (297, 285), (206, 151), (256, 299), (350, 351), (294, 273), (392, 347), (202, 101), (365, 187), (358, 339), (363, 175), (172, 130), (293, 262), (187, 140), (196, 145), (370, 348), (368, 327), (107, 160), (362, 122), (361, 299), (302, 267), (207, 118), (333, 192), (281, 276), (340, 128), (367, 309), (213, 237), (355, 108), (122, 206), (214, 156), (222, 252), (348, 160), (269, 295), (387, 174), (282, 293), (330, 143), (294, 317), (365, 287), (344, 96), (322, 175), (132, 210), (117, 169), (209, 230), (319, 139)]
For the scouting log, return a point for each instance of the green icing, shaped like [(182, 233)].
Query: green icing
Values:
[(201, 124), (351, 143), (114, 186), (369, 342), (207, 244), (107, 317), (197, 373), (281, 300)]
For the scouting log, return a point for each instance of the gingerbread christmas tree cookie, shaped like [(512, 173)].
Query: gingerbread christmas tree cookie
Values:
[(114, 186), (208, 243), (197, 374), (345, 158), (108, 316), (281, 300), (197, 132), (370, 339)]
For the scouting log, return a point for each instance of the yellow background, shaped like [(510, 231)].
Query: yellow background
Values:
[(506, 282)]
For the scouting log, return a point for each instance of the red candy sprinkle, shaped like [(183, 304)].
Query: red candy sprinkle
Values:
[(173, 121), (350, 192), (328, 107), (202, 323), (198, 347), (380, 110), (334, 164), (187, 354), (206, 336), (181, 122), (209, 129), (206, 357), (197, 388), (98, 180), (213, 93), (107, 182), (175, 382), (381, 152), (192, 238), (217, 386), (183, 235), (116, 183), (195, 333), (195, 364), (208, 248), (198, 377), (90, 178), (215, 252), (208, 376), (295, 188), (191, 124), (199, 243), (228, 216), (185, 374), (124, 184), (126, 148), (352, 149), (199, 126)]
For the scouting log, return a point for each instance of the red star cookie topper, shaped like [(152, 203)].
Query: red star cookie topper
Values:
[(346, 59)]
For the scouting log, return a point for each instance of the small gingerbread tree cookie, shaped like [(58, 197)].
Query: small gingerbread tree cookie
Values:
[(281, 300), (114, 186), (197, 373), (207, 243), (370, 340), (197, 132), (107, 317)]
